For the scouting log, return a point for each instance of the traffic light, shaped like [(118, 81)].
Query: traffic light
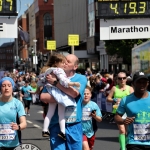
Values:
[(40, 64), (45, 58), (32, 50), (69, 50), (16, 65)]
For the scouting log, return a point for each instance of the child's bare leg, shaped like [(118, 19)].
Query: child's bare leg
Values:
[(50, 113)]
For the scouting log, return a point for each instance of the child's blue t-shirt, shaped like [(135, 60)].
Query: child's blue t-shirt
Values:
[(138, 132), (87, 120)]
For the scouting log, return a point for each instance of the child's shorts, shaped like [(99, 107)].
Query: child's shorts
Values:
[(90, 140)]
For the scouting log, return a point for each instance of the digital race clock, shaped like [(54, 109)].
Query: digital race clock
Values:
[(8, 8), (123, 8)]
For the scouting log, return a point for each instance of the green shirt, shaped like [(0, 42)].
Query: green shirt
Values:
[(120, 94)]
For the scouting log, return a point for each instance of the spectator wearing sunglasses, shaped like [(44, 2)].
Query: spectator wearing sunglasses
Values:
[(116, 94)]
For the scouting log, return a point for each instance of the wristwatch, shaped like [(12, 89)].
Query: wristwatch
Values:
[(55, 82)]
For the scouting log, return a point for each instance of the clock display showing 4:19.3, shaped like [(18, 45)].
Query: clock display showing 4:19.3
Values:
[(8, 7), (123, 9)]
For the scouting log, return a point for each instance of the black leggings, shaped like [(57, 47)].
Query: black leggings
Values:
[(137, 147), (27, 103)]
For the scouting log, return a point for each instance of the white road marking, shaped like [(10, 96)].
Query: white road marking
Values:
[(29, 121), (40, 112), (35, 125)]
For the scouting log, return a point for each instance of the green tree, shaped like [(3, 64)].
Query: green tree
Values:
[(122, 48)]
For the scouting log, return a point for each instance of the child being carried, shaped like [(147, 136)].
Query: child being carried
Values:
[(57, 63)]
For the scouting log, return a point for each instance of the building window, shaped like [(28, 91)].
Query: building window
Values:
[(47, 28)]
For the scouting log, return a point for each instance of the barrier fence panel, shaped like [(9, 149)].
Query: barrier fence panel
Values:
[(103, 104)]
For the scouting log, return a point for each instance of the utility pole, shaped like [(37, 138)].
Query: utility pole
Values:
[(16, 43), (35, 57)]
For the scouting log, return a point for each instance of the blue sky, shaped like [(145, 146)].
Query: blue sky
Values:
[(22, 9)]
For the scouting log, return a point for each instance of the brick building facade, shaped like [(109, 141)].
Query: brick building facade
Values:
[(38, 21)]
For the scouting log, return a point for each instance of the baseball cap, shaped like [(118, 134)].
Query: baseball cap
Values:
[(139, 75)]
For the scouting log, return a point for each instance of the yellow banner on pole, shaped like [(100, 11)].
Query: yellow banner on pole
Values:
[(73, 40), (51, 45)]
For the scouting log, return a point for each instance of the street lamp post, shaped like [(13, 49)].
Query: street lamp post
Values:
[(35, 57)]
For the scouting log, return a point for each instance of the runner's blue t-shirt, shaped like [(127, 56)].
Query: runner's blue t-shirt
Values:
[(72, 114), (8, 113), (75, 115), (25, 90), (139, 130), (87, 120)]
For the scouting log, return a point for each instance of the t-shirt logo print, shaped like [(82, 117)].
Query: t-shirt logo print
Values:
[(141, 73)]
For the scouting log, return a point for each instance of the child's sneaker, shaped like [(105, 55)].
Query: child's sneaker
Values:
[(45, 134), (63, 136)]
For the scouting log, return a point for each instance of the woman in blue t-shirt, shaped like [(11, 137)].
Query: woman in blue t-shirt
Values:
[(11, 109)]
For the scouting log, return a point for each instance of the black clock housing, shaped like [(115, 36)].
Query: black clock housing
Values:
[(123, 9), (8, 8)]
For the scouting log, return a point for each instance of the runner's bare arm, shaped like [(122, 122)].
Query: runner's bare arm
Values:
[(69, 91), (111, 94), (47, 98), (118, 119)]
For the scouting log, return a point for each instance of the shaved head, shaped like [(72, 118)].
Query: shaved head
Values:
[(121, 73), (71, 65), (73, 58)]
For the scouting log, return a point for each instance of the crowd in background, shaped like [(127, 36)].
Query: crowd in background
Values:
[(98, 81)]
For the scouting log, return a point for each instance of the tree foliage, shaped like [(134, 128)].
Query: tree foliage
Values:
[(122, 48)]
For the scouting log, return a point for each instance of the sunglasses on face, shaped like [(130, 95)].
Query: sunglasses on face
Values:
[(122, 78)]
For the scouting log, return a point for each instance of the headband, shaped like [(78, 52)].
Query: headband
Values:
[(7, 79)]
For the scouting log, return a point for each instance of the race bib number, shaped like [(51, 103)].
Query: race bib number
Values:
[(71, 114), (141, 132), (26, 95), (86, 114), (6, 133)]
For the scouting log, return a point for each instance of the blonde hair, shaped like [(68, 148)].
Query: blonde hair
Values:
[(33, 84), (44, 69), (106, 75)]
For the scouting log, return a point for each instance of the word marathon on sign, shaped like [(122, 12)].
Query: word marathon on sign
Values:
[(123, 8)]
